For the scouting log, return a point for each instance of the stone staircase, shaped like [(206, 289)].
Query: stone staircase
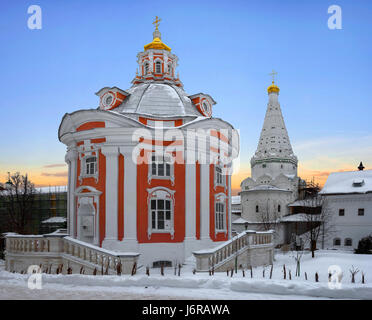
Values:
[(247, 249)]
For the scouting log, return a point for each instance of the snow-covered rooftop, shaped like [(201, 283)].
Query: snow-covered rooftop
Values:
[(348, 182), (298, 217), (55, 220), (265, 187), (240, 221), (306, 203), (51, 189), (235, 200)]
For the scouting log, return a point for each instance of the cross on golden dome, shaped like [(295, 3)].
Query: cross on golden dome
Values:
[(156, 42), (156, 22), (273, 74), (273, 87)]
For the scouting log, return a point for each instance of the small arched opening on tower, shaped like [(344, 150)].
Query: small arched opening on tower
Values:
[(158, 67)]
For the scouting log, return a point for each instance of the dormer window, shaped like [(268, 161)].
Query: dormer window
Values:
[(358, 183), (206, 108), (157, 67)]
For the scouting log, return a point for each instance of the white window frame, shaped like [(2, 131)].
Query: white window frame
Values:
[(146, 68), (90, 165), (206, 107), (160, 193), (217, 182), (156, 63), (83, 165), (220, 199), (167, 158)]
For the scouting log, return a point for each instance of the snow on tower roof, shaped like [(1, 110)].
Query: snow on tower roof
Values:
[(235, 200), (348, 182)]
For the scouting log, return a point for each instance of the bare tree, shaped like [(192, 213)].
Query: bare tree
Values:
[(268, 217), (318, 221), (18, 196)]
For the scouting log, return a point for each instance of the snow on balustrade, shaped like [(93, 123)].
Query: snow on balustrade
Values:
[(54, 248), (28, 244)]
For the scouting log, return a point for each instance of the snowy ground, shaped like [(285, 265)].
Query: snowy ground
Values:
[(202, 286)]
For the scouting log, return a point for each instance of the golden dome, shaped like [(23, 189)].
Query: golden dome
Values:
[(157, 44), (273, 88)]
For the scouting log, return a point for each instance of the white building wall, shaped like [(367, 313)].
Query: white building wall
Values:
[(350, 225)]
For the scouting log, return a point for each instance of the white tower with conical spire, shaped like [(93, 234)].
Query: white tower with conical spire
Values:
[(274, 154), (274, 182)]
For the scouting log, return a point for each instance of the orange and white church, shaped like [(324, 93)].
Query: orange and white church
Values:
[(145, 169)]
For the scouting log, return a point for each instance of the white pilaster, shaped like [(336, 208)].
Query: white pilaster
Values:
[(190, 201), (71, 158), (229, 205), (204, 201), (190, 209), (130, 199), (111, 195)]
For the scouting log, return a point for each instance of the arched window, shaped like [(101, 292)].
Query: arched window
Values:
[(161, 211), (348, 242), (220, 212), (157, 67), (257, 209), (336, 242), (146, 68), (279, 208), (169, 68), (206, 108)]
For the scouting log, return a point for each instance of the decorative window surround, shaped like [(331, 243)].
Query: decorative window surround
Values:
[(88, 150), (161, 193), (220, 213), (90, 195), (158, 66), (153, 168)]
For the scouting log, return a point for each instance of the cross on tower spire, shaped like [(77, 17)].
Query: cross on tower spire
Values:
[(156, 22), (273, 74)]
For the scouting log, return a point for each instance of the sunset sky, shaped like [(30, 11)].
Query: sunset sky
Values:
[(225, 49)]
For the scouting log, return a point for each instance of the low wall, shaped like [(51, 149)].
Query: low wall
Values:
[(50, 252)]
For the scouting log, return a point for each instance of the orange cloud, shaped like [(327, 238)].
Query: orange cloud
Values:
[(55, 165), (56, 174)]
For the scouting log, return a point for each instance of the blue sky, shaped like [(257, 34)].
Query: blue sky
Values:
[(225, 49)]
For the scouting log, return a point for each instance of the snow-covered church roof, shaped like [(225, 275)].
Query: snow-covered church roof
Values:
[(158, 99), (348, 182)]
